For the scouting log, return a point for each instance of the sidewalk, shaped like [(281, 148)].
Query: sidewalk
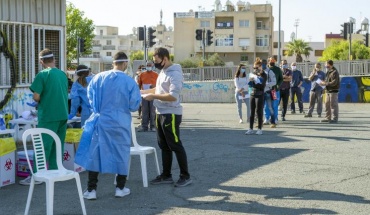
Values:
[(301, 167)]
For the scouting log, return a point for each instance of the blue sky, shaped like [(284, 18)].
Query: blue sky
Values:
[(316, 17)]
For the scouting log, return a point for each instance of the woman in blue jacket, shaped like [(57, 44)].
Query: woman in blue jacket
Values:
[(79, 94)]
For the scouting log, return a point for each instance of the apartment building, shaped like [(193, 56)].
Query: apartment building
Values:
[(241, 32), (107, 43)]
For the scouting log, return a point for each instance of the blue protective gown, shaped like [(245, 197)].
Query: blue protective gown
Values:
[(79, 98), (106, 139)]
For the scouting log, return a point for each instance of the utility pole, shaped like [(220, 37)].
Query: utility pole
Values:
[(145, 49), (296, 24), (78, 50), (204, 43)]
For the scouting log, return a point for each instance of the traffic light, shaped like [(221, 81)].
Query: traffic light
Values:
[(151, 36), (344, 30), (141, 33), (198, 34), (366, 39), (209, 37), (81, 45)]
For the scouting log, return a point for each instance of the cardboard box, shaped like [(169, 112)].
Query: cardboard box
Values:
[(23, 169), (69, 157), (7, 169)]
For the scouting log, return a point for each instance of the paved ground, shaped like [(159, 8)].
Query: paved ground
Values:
[(300, 167)]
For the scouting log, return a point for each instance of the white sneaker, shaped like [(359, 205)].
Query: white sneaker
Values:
[(240, 121), (259, 132), (27, 181), (266, 122), (250, 131), (121, 193), (90, 195)]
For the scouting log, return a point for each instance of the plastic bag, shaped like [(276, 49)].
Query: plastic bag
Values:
[(7, 145)]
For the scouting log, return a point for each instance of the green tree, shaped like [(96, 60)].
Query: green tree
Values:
[(298, 48), (339, 50), (77, 26), (214, 60)]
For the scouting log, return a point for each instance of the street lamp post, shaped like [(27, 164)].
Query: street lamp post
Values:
[(296, 24), (279, 34)]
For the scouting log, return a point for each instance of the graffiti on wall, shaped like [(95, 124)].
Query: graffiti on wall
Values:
[(216, 92)]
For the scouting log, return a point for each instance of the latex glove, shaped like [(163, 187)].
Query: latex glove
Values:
[(33, 104), (70, 116)]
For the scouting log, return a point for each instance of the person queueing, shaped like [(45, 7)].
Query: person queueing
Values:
[(316, 91), (79, 94), (285, 88), (268, 100), (279, 79), (166, 96), (241, 80), (147, 80), (295, 88), (50, 90), (106, 139), (257, 80), (332, 86)]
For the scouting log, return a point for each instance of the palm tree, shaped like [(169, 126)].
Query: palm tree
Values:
[(298, 48)]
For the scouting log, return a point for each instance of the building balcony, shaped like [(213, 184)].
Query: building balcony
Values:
[(109, 47)]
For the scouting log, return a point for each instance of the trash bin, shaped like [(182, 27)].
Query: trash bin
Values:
[(71, 143), (7, 161)]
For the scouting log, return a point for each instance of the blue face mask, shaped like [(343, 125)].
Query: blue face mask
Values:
[(242, 70), (148, 68), (264, 66)]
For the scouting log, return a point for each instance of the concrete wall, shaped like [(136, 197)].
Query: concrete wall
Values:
[(352, 89)]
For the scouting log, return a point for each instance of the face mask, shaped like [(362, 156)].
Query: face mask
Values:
[(242, 70), (294, 67), (148, 68), (264, 66), (285, 66), (143, 69), (159, 65)]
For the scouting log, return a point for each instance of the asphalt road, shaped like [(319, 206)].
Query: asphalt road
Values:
[(301, 167)]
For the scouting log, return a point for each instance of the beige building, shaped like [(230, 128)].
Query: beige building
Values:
[(240, 33)]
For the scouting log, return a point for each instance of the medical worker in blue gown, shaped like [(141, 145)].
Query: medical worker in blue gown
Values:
[(106, 139), (79, 94)]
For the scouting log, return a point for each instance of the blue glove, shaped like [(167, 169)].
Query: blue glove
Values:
[(70, 116), (33, 104)]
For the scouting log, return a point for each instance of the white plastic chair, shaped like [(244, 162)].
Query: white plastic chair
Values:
[(45, 175), (142, 151)]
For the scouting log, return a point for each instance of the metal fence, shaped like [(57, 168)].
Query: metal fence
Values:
[(345, 68)]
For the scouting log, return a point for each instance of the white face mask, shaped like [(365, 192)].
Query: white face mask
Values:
[(294, 67)]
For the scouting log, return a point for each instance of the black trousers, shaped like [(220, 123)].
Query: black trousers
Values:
[(284, 95), (93, 181), (168, 135), (256, 105)]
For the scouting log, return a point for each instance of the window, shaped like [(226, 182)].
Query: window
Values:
[(259, 25), (96, 54), (243, 58), (244, 23), (224, 40), (318, 53), (204, 24), (262, 40), (244, 42), (276, 45), (160, 32), (132, 43), (109, 42), (101, 32), (109, 53)]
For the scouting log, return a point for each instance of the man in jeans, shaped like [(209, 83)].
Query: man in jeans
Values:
[(166, 96), (332, 84), (295, 88)]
